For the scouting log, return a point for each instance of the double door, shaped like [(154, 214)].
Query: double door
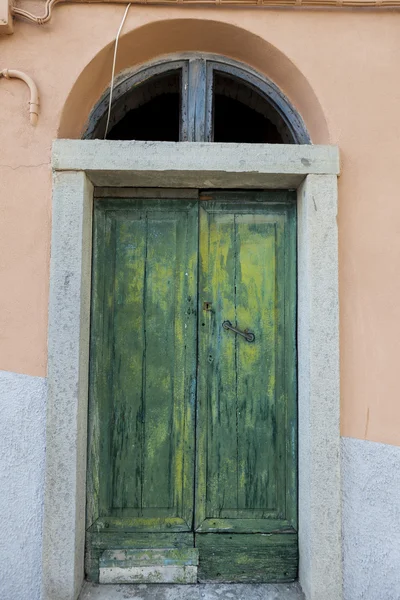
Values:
[(192, 419)]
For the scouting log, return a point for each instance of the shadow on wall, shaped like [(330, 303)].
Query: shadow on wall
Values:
[(191, 35)]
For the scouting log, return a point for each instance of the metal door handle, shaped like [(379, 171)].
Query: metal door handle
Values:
[(248, 336)]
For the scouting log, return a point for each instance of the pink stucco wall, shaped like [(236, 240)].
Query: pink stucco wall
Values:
[(339, 68)]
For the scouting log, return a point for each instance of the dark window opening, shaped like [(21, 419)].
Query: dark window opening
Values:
[(157, 120), (242, 115), (236, 122), (151, 112)]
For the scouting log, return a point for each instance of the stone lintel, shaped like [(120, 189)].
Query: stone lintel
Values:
[(186, 164)]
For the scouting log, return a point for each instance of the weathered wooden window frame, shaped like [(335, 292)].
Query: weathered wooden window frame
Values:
[(197, 91), (79, 165)]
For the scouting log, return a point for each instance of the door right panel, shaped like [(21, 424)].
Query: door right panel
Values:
[(246, 423)]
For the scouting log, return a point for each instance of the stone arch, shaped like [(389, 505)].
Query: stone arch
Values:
[(160, 38)]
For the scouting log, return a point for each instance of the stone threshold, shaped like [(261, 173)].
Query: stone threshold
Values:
[(200, 591)]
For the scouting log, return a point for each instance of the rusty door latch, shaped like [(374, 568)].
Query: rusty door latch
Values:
[(248, 335)]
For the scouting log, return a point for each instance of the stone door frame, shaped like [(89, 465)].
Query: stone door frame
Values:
[(81, 165)]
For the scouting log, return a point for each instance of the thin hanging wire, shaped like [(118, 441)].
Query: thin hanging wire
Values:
[(113, 69)]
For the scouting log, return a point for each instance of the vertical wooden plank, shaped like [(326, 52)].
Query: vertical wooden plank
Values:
[(222, 446), (104, 382), (96, 372), (197, 100), (282, 375), (184, 107), (217, 472), (209, 125), (203, 383), (186, 446), (256, 362), (290, 361), (158, 384), (128, 355)]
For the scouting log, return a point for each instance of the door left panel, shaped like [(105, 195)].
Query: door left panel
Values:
[(142, 376)]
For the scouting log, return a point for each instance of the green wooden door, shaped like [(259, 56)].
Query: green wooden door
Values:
[(192, 428), (143, 368), (246, 423)]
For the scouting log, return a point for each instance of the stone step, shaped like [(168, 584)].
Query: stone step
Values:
[(201, 591), (149, 565)]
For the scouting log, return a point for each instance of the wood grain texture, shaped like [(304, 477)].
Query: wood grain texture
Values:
[(197, 100), (97, 543), (246, 423), (150, 557), (247, 558), (146, 416), (142, 391), (149, 565)]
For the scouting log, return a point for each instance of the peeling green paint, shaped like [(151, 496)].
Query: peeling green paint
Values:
[(147, 318)]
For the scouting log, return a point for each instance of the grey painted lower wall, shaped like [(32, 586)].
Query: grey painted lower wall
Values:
[(371, 501), (22, 453), (371, 520)]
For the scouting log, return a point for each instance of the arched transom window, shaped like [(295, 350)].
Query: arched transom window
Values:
[(197, 99)]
